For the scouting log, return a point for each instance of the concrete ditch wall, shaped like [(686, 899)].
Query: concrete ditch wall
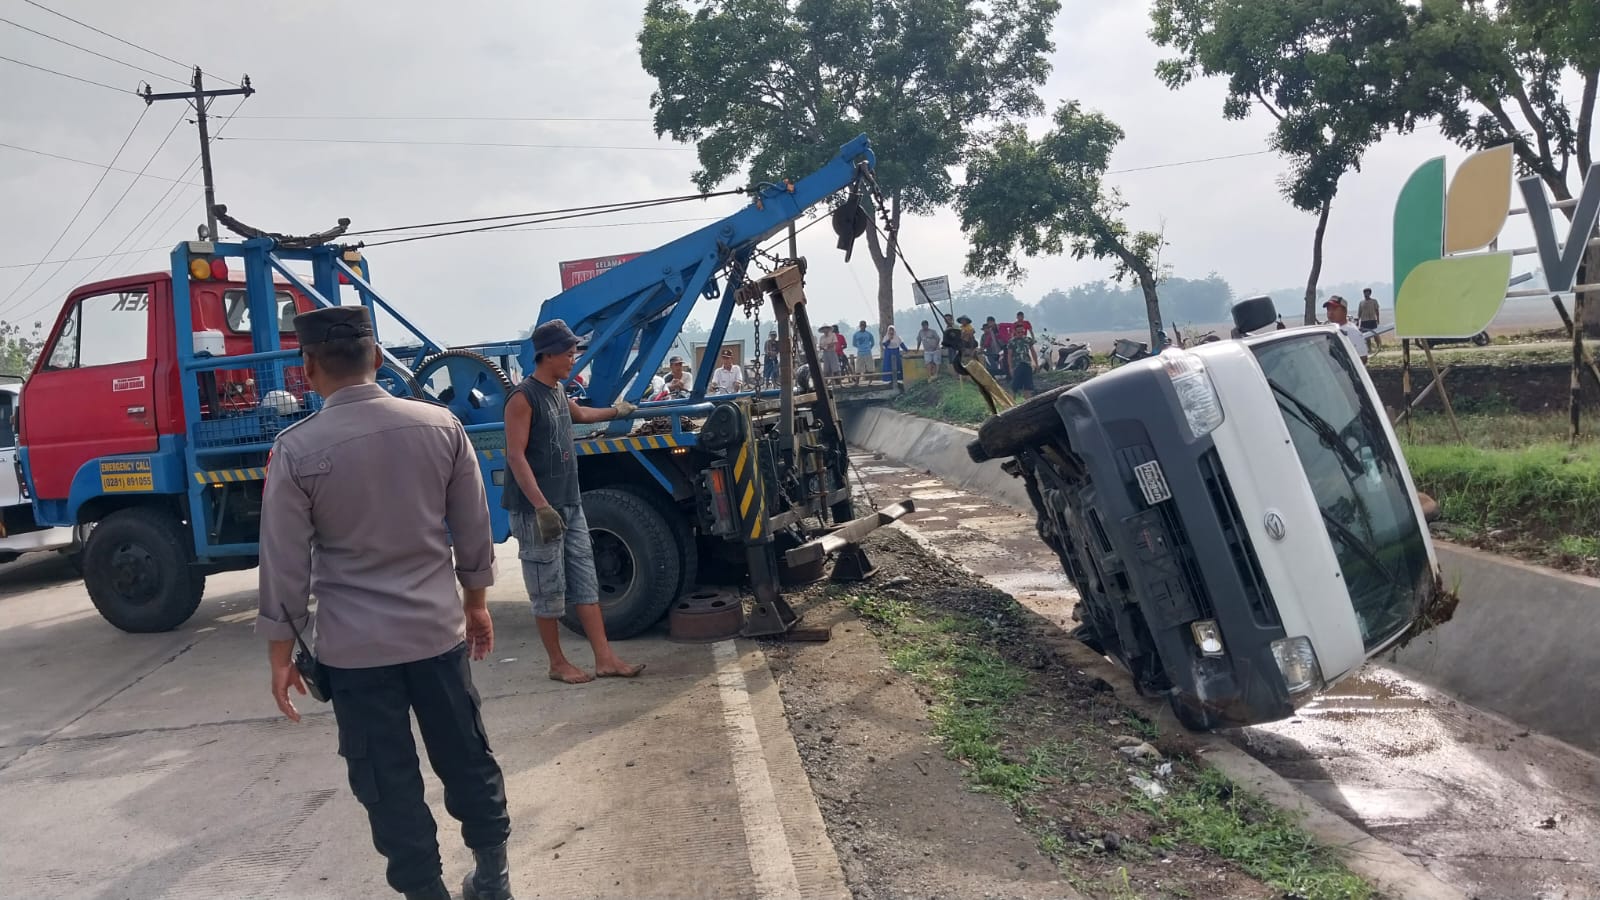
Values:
[(1525, 642)]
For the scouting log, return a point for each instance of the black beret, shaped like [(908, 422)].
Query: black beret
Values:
[(334, 323)]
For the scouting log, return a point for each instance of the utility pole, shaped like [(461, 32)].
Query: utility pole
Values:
[(198, 98)]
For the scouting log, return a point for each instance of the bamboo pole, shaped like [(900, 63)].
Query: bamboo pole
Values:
[(1444, 393)]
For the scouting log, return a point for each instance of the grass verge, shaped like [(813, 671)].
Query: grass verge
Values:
[(960, 403), (996, 708)]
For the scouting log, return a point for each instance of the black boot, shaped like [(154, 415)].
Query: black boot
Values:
[(435, 891), (491, 880)]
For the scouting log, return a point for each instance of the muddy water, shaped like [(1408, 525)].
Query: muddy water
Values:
[(1487, 806)]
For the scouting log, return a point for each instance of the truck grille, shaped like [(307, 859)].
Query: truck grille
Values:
[(1182, 547), (1237, 537)]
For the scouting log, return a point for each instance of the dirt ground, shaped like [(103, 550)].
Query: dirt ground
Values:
[(905, 818)]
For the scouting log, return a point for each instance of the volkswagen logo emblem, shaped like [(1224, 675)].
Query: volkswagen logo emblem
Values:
[(1276, 528)]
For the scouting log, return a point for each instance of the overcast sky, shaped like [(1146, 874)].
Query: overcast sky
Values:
[(545, 59)]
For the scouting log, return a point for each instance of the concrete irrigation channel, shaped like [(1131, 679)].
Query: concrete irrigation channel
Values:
[(1471, 752)]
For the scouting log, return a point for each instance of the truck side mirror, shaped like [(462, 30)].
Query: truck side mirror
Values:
[(1254, 314)]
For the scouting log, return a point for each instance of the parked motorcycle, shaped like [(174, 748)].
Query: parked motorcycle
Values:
[(1073, 358)]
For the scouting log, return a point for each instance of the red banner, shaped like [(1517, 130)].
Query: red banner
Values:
[(577, 271)]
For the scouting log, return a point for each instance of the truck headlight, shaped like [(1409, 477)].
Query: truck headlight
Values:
[(1297, 662), (1196, 394)]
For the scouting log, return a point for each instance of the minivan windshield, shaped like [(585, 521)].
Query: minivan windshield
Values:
[(1356, 476)]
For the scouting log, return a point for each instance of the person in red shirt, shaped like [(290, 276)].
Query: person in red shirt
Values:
[(1023, 325)]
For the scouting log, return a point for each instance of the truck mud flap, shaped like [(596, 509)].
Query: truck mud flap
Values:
[(846, 535)]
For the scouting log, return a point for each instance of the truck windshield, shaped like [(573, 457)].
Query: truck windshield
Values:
[(1356, 476)]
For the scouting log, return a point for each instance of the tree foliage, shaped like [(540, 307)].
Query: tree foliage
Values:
[(770, 89), (18, 349), (1047, 196), (1327, 72)]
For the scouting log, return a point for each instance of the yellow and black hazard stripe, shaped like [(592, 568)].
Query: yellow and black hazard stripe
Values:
[(231, 476), (595, 446), (749, 491)]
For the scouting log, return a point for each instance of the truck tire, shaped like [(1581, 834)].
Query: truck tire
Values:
[(138, 567), (636, 561), (682, 533), (1034, 422)]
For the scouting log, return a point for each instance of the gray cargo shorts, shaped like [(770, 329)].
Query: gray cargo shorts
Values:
[(561, 571)]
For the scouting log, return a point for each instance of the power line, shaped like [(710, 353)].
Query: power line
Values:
[(51, 262), (73, 77), (85, 162), (81, 207), (510, 225), (67, 43), (108, 34), (286, 140), (103, 219), (521, 230), (1191, 162), (629, 204), (342, 118)]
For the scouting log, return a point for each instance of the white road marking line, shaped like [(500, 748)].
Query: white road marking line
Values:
[(768, 846)]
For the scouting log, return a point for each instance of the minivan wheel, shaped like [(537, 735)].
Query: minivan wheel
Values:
[(1028, 425), (138, 567), (1191, 713)]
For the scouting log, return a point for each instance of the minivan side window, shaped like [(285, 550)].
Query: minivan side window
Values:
[(104, 330), (237, 305), (8, 436)]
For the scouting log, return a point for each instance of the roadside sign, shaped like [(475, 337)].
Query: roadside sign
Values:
[(932, 290), (577, 271)]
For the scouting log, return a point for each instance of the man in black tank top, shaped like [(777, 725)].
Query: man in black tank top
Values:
[(546, 506)]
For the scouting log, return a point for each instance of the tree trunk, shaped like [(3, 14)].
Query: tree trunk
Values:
[(883, 255), (1316, 262), (1589, 273), (1147, 284)]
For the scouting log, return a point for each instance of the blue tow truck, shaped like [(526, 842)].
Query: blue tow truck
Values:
[(151, 411)]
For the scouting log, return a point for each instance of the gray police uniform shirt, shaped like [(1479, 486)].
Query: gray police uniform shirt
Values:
[(361, 503)]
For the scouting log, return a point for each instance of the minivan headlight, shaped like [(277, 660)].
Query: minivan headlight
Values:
[(1297, 662), (1196, 394)]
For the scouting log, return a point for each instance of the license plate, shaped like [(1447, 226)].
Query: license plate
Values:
[(1152, 483)]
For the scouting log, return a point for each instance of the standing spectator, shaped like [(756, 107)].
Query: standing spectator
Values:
[(826, 350), (928, 343), (1022, 325), (952, 344), (376, 504), (1367, 314), (769, 360), (839, 345), (969, 341), (727, 377), (679, 380), (1339, 314), (1021, 359), (864, 343), (893, 368), (991, 345)]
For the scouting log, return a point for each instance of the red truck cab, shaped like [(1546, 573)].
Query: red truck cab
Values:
[(107, 382)]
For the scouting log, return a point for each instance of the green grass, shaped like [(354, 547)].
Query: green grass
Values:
[(961, 403), (1547, 487), (981, 707), (1262, 839), (1554, 352)]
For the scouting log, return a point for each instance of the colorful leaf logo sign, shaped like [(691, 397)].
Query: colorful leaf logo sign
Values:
[(1443, 289)]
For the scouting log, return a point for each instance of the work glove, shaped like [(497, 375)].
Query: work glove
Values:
[(551, 525), (624, 409)]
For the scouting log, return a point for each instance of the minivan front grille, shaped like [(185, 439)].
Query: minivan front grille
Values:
[(1182, 547), (1237, 536)]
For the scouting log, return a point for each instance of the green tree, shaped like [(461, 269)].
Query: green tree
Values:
[(1494, 73), (772, 88), (1325, 71), (19, 350), (1046, 196)]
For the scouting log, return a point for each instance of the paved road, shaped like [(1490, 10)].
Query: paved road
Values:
[(156, 766), (1485, 805)]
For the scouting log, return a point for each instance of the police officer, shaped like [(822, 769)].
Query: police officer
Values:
[(362, 504)]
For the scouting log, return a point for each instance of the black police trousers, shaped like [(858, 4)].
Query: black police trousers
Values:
[(373, 709)]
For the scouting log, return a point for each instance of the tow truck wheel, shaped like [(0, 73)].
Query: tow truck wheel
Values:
[(138, 568), (682, 532), (1030, 424), (635, 560)]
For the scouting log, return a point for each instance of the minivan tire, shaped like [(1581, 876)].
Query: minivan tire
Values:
[(138, 565), (1033, 423)]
